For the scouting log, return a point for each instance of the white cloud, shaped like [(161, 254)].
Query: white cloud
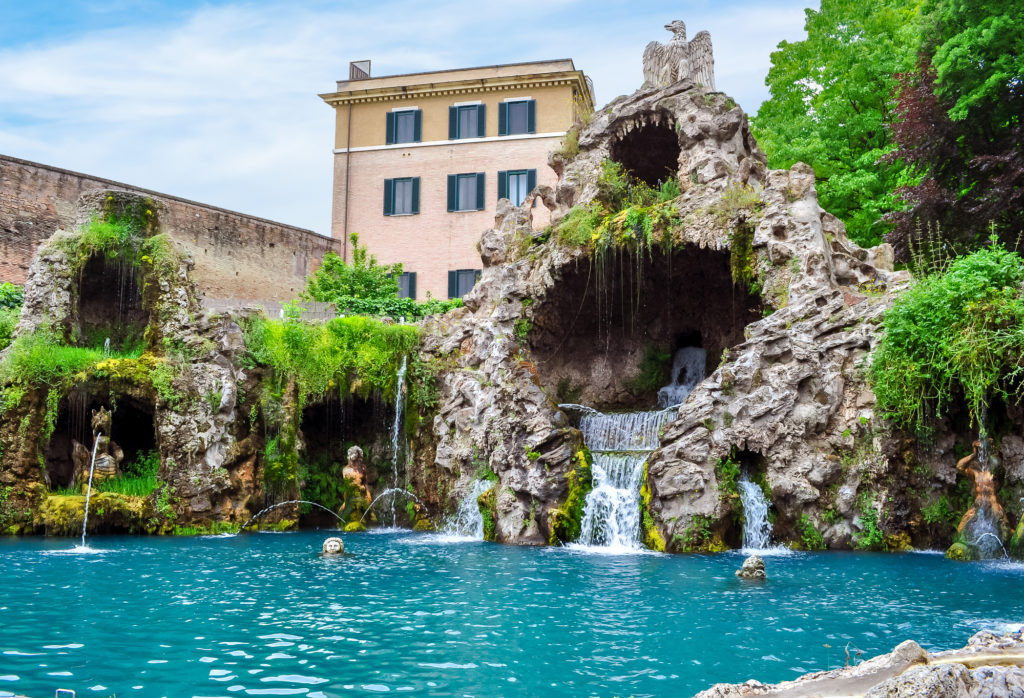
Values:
[(222, 107)]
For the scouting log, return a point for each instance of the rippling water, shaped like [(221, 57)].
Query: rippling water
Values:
[(263, 614)]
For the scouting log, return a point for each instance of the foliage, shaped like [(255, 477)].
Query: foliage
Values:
[(355, 354), (138, 479), (698, 538), (570, 145), (488, 505), (281, 462), (831, 105), (521, 329), (11, 296), (363, 278), (737, 199), (871, 537), (653, 372), (960, 332), (940, 512), (8, 324), (727, 472), (568, 391), (809, 535), (960, 124), (323, 482)]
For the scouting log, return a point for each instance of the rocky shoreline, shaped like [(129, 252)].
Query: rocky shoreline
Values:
[(989, 665)]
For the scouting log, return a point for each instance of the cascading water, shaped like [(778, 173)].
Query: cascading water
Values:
[(396, 431), (468, 521), (687, 371), (88, 488), (619, 444), (757, 530)]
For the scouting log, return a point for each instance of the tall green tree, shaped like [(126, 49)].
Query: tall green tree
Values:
[(364, 278), (959, 124), (832, 98)]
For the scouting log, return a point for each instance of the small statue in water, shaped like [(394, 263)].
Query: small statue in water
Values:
[(984, 492), (108, 454), (334, 546)]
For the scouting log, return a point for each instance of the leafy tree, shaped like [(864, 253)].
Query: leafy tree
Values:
[(364, 278), (831, 101), (959, 124)]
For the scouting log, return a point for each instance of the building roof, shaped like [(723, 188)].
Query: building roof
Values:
[(460, 80)]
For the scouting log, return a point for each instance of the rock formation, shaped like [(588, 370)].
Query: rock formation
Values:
[(752, 568), (990, 665)]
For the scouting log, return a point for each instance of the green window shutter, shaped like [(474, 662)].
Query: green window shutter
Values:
[(417, 126), (481, 115), (453, 192), (531, 116), (503, 119), (480, 179), (531, 179), (453, 124), (453, 284), (412, 285), (389, 197), (389, 136), (415, 195), (503, 185)]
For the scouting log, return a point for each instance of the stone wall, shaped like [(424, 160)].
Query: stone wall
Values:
[(236, 256)]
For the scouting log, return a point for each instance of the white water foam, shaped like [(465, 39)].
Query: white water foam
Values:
[(687, 371)]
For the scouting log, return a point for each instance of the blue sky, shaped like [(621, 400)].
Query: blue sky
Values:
[(216, 101)]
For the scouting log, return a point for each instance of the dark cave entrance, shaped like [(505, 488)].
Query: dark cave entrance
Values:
[(650, 153), (110, 303), (608, 332), (329, 428), (133, 429)]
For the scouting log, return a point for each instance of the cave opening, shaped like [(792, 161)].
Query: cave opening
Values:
[(133, 429), (110, 304), (329, 428), (650, 153), (611, 333)]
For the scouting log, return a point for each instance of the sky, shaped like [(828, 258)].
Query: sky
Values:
[(217, 101)]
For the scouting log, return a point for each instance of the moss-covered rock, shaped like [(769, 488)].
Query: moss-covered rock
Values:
[(488, 503), (355, 527), (566, 521), (423, 525), (109, 512), (961, 552)]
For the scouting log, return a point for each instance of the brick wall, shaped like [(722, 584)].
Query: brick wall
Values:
[(236, 256)]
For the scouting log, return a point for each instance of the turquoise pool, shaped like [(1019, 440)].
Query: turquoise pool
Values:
[(263, 614)]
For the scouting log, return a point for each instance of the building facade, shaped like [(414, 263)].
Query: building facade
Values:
[(421, 160)]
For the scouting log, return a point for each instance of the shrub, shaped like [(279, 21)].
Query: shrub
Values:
[(8, 323), (11, 296), (809, 535), (957, 332)]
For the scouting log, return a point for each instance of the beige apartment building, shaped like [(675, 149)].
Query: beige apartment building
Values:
[(420, 160)]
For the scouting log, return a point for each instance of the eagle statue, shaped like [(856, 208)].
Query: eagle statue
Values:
[(666, 64)]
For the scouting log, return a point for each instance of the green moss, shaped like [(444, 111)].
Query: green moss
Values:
[(566, 521), (62, 514), (652, 538), (355, 527), (741, 255), (279, 526), (211, 529), (423, 525), (961, 553), (654, 370)]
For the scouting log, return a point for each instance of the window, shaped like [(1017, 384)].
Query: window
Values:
[(467, 121), (516, 184), (407, 285), (460, 281), (517, 117), (401, 196), (466, 192), (405, 126)]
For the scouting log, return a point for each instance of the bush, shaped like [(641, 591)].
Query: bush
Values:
[(11, 296), (8, 323), (957, 332)]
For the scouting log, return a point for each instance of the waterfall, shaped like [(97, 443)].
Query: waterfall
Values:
[(620, 444), (757, 530), (687, 371), (468, 521), (396, 433), (88, 488)]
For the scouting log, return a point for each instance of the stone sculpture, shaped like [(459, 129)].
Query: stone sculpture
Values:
[(334, 546), (355, 470), (108, 454), (667, 64), (984, 492), (753, 568)]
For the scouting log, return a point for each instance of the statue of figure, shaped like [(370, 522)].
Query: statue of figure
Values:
[(984, 492), (667, 64), (108, 454), (356, 471)]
